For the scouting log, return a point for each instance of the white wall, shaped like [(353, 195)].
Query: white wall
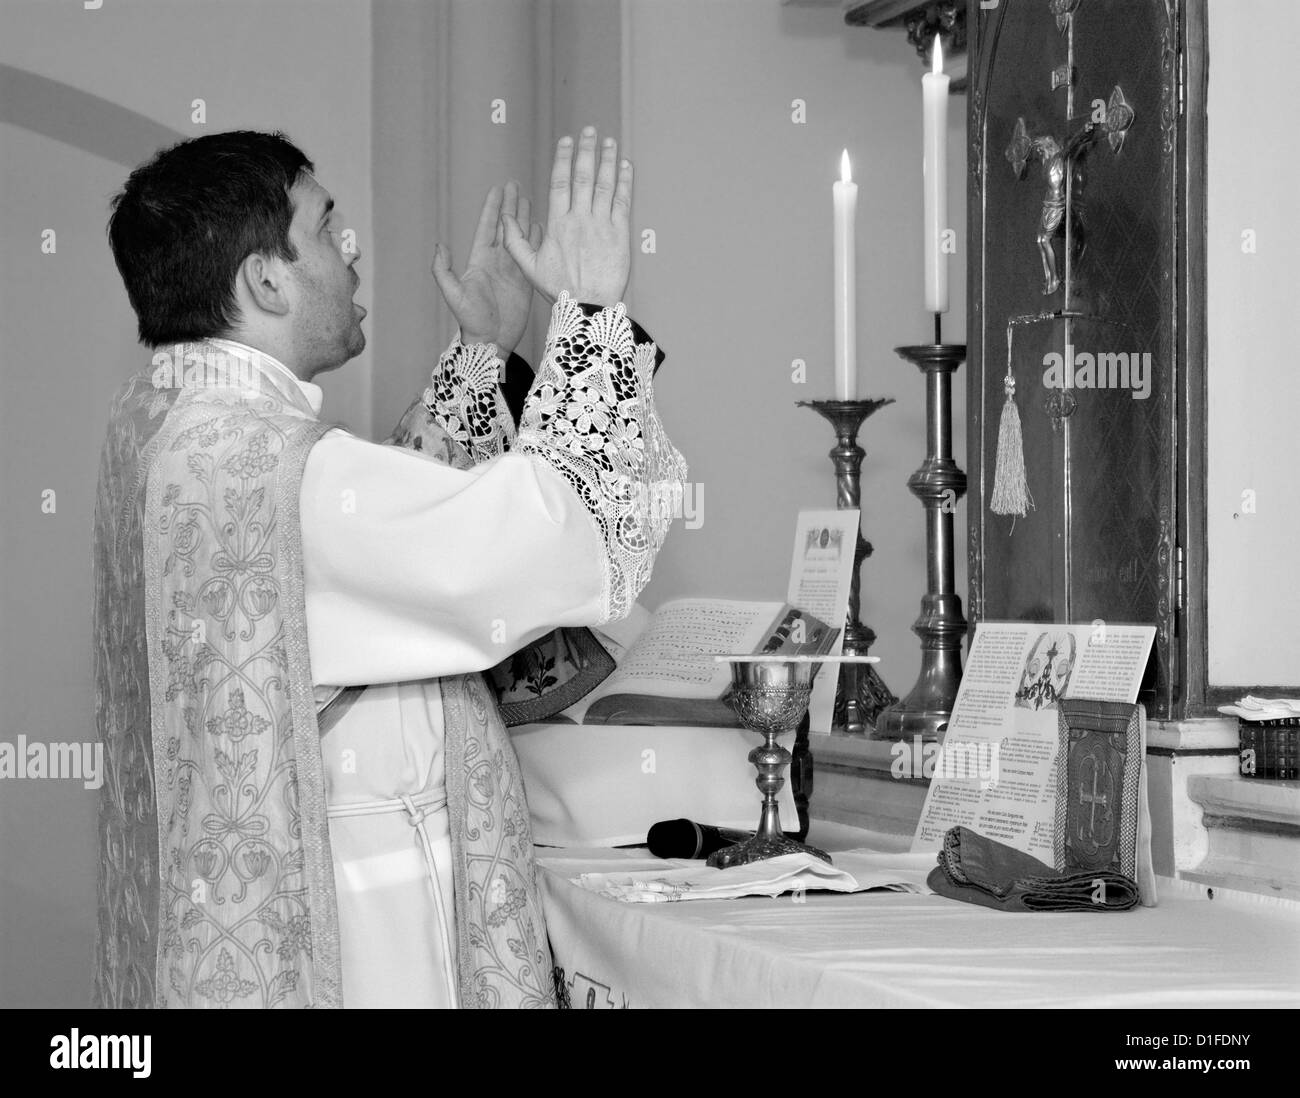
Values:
[(739, 197), (740, 200), (1254, 386), (69, 340), (439, 69)]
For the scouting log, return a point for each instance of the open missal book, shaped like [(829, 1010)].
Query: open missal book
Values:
[(668, 676)]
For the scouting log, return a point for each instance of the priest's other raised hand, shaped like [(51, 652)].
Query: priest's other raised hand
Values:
[(587, 246), (491, 299)]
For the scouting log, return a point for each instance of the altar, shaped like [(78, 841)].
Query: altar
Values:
[(1200, 947), (1088, 502)]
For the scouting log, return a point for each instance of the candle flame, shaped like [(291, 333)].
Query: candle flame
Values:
[(846, 173), (936, 58)]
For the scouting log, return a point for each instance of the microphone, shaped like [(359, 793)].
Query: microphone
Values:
[(688, 839)]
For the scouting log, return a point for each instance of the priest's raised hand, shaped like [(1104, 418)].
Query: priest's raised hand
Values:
[(586, 249), (491, 299)]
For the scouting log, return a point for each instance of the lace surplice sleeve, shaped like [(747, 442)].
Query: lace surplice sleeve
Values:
[(591, 416), (463, 404), (464, 398)]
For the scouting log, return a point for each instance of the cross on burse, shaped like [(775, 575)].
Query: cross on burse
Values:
[(1094, 799)]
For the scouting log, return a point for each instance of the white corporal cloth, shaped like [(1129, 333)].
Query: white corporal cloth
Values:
[(387, 535), (892, 949)]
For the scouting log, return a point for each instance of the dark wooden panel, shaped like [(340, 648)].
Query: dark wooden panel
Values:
[(1101, 463)]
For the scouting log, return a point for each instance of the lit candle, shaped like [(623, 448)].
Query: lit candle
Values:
[(934, 89), (845, 196)]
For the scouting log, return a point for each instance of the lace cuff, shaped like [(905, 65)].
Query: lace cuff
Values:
[(591, 416), (464, 399)]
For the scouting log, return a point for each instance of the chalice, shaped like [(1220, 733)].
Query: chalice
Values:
[(770, 696)]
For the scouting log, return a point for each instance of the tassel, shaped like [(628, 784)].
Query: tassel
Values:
[(1010, 487)]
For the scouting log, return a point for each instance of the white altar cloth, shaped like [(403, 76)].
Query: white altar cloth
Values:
[(605, 785), (883, 949)]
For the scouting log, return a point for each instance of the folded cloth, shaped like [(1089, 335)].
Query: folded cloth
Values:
[(984, 871), (856, 871), (1251, 708)]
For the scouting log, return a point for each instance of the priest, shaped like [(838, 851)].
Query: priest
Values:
[(310, 798)]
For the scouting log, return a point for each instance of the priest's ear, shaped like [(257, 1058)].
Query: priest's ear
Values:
[(263, 285)]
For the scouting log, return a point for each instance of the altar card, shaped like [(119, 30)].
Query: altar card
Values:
[(996, 771), (821, 572)]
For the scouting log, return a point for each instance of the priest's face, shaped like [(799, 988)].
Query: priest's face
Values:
[(326, 322)]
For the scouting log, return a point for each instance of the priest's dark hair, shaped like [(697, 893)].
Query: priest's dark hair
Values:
[(188, 218)]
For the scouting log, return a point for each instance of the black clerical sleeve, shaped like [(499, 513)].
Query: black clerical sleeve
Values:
[(518, 380)]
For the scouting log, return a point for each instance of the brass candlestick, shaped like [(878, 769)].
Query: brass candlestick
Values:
[(938, 484), (862, 693)]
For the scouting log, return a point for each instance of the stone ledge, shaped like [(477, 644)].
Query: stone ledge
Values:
[(1197, 736), (1207, 822), (1252, 803), (852, 752), (1205, 734), (1249, 861), (1252, 833)]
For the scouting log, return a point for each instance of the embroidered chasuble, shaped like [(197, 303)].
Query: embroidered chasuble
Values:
[(310, 798)]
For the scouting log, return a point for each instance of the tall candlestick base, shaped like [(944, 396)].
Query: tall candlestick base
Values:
[(938, 484), (862, 693)]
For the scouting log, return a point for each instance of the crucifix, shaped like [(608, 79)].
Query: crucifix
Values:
[(1062, 160), (1061, 215)]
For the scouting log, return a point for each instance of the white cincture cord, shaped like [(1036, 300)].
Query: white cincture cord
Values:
[(418, 807), (418, 815)]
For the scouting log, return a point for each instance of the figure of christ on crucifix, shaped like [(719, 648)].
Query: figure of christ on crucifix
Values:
[(1059, 202)]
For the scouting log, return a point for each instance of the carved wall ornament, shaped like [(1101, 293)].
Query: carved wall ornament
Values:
[(942, 18), (1119, 117)]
